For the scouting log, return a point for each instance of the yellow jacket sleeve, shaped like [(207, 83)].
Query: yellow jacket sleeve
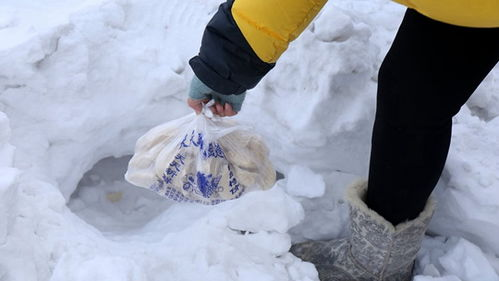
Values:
[(270, 25), (470, 13)]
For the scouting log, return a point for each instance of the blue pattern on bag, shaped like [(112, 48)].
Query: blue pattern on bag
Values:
[(233, 184), (208, 184), (213, 150), (205, 185)]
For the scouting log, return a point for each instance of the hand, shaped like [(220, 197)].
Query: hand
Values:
[(217, 109), (225, 105)]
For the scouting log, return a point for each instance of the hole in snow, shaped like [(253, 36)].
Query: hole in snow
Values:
[(279, 175), (105, 200)]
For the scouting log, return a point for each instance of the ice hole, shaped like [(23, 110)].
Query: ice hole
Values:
[(105, 200)]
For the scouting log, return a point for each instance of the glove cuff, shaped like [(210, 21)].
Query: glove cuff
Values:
[(235, 100), (198, 90)]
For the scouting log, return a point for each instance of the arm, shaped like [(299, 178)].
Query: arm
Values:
[(245, 38)]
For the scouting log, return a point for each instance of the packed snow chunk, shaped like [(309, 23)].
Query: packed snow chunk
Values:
[(202, 159), (302, 181), (213, 248), (275, 243), (468, 262), (270, 210), (303, 271), (326, 217), (333, 25)]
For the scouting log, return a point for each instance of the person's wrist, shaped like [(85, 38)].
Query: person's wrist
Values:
[(200, 91)]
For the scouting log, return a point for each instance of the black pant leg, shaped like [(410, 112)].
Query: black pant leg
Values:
[(430, 71)]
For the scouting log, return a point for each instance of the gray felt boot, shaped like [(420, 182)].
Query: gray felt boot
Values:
[(375, 250)]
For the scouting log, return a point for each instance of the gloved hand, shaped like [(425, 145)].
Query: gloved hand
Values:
[(225, 105)]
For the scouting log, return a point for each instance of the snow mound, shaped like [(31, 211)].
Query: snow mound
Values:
[(254, 246), (302, 181), (455, 259), (469, 197)]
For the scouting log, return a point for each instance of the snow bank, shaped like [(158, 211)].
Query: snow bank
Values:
[(469, 197), (87, 87), (317, 112), (83, 88), (238, 240), (454, 259)]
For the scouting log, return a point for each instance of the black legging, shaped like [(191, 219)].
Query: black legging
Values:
[(430, 71)]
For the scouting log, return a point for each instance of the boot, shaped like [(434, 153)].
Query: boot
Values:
[(375, 251)]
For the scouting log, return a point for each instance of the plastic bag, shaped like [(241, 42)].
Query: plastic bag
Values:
[(200, 158)]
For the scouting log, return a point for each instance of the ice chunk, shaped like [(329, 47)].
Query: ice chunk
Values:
[(271, 210), (302, 181)]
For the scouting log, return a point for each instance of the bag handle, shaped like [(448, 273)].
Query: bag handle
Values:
[(218, 131)]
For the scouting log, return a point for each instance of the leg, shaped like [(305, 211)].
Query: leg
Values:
[(430, 71)]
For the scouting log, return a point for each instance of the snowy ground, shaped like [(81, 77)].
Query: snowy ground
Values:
[(81, 80)]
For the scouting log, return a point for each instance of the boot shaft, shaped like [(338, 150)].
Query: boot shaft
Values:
[(380, 247)]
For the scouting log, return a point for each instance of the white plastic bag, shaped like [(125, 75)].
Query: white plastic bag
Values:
[(201, 159)]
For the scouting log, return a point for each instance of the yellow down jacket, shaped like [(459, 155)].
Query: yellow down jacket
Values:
[(244, 39), (269, 25)]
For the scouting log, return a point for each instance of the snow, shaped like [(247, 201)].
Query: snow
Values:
[(454, 259), (472, 182), (302, 181), (195, 250), (6, 149), (110, 203), (80, 81), (468, 262)]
